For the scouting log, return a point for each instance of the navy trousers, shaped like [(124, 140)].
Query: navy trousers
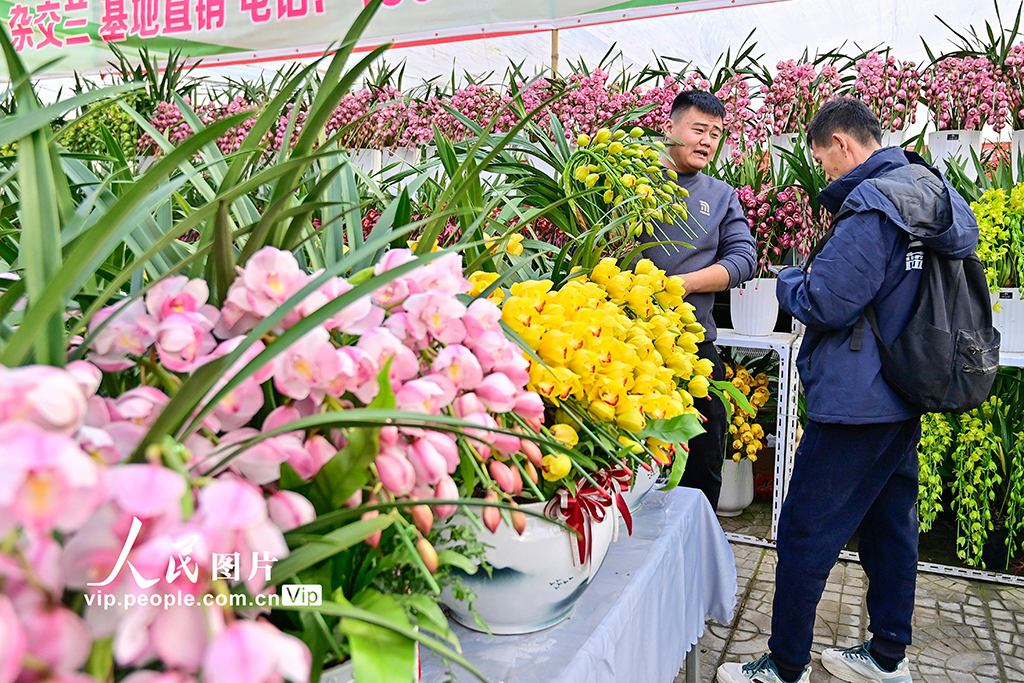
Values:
[(848, 479)]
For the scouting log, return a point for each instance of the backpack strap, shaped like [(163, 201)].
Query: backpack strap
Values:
[(857, 337)]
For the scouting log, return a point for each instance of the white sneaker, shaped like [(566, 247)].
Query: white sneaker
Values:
[(761, 671), (856, 665)]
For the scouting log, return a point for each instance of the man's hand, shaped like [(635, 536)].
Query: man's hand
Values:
[(714, 278)]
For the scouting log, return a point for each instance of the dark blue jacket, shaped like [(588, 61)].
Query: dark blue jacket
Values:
[(865, 262)]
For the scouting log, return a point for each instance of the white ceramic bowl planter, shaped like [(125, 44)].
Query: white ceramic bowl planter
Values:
[(1009, 320), (535, 582), (642, 485), (754, 307), (737, 487)]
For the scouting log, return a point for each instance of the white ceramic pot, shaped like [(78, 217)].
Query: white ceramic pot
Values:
[(642, 485), (893, 138), (534, 583), (366, 160), (1009, 320), (737, 487), (754, 307), (949, 145), (1016, 149), (786, 141)]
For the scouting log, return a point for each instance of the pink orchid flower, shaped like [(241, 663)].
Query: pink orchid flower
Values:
[(120, 338), (270, 278), (395, 472), (308, 367), (497, 392), (458, 364), (58, 637), (289, 510), (178, 294), (46, 481), (12, 642), (256, 652), (437, 314), (49, 397)]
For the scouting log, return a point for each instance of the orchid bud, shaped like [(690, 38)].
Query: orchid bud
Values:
[(502, 475), (491, 515), (531, 471), (427, 554), (532, 451), (422, 518)]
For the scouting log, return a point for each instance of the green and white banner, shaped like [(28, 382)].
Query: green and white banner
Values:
[(224, 32)]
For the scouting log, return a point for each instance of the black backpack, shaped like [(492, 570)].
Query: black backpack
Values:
[(945, 359)]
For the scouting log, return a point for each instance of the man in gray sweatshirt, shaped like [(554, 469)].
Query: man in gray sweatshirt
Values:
[(723, 257)]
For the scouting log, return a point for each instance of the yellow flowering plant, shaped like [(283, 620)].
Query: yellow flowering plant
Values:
[(633, 187), (1000, 217), (614, 354), (750, 377)]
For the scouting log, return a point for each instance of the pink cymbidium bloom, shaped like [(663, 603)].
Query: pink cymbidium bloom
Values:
[(289, 510), (178, 294), (381, 346), (46, 481), (459, 365), (256, 652), (57, 637), (140, 405), (270, 278), (436, 314), (497, 392), (181, 338), (12, 642), (120, 338), (308, 367), (395, 472), (49, 397)]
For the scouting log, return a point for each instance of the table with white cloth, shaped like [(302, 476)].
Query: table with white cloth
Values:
[(643, 612)]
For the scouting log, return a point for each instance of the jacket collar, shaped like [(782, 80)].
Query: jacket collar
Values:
[(881, 161)]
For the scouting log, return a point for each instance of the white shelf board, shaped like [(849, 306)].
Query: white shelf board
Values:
[(1015, 360)]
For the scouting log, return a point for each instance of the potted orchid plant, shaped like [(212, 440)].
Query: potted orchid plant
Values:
[(891, 89)]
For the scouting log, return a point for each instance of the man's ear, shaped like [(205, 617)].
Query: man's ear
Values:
[(841, 141)]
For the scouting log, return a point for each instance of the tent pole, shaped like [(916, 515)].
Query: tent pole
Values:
[(554, 51)]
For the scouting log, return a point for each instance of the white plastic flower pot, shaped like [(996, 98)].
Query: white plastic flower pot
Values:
[(642, 485), (1016, 149), (737, 487), (955, 145), (400, 160), (535, 583), (366, 160), (1009, 320), (754, 307), (725, 150), (893, 138)]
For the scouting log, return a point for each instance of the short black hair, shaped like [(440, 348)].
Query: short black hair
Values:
[(704, 101), (845, 115)]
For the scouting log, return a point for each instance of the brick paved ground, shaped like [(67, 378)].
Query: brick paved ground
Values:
[(964, 631)]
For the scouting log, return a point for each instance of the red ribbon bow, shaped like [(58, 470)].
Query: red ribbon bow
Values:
[(618, 481), (579, 513)]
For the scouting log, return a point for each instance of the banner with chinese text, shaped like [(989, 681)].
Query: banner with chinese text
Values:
[(224, 32)]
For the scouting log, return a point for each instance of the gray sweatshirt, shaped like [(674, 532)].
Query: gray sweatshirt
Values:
[(718, 228)]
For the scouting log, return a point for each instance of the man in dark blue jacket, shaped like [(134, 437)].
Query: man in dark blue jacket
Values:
[(856, 468)]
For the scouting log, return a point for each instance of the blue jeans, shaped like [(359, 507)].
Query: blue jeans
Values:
[(847, 479)]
